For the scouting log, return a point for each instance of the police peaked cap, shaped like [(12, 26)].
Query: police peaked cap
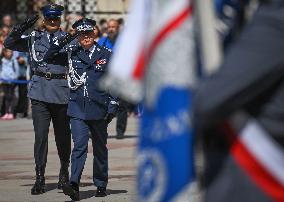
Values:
[(84, 25), (52, 11)]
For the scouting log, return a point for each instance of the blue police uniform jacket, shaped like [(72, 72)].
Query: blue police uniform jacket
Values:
[(37, 43), (87, 101)]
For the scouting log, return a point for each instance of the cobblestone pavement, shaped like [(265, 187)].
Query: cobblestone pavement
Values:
[(17, 165)]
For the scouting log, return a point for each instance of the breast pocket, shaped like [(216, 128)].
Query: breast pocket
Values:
[(77, 64), (100, 65), (98, 72), (40, 50)]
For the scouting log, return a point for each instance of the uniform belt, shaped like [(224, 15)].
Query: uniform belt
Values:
[(49, 75)]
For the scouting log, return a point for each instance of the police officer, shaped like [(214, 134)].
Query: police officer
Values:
[(90, 108), (48, 91)]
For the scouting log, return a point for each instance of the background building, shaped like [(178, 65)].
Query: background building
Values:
[(95, 9)]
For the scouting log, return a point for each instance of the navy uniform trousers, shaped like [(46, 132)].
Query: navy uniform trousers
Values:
[(42, 114), (80, 135)]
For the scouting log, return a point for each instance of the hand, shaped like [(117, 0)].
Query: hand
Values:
[(29, 22), (21, 60), (18, 30), (66, 40), (109, 117)]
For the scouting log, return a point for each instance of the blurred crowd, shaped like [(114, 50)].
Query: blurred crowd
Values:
[(14, 67)]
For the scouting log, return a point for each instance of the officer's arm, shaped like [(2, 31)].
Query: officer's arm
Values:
[(16, 40), (112, 109), (60, 48), (113, 105), (113, 100)]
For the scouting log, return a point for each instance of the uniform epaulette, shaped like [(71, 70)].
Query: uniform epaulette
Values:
[(37, 33), (72, 47)]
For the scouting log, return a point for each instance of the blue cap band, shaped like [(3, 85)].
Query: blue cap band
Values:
[(52, 10)]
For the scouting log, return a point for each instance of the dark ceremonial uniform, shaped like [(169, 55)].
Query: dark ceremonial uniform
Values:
[(48, 90), (246, 166), (89, 108)]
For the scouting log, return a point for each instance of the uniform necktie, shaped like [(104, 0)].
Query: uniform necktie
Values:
[(87, 53), (51, 36)]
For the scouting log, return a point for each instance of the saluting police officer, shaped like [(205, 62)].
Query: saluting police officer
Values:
[(48, 91), (90, 108)]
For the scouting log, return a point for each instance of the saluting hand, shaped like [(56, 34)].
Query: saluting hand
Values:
[(28, 23), (66, 40)]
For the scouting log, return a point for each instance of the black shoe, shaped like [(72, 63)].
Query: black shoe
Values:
[(101, 192), (63, 175), (119, 136), (72, 190), (39, 186)]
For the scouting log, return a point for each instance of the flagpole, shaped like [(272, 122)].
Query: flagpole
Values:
[(209, 41), (211, 57)]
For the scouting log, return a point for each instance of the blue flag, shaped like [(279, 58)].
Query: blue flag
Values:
[(166, 146)]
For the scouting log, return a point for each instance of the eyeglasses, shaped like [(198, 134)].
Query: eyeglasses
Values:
[(85, 33)]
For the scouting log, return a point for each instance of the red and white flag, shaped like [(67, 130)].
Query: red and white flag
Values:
[(155, 33), (154, 61)]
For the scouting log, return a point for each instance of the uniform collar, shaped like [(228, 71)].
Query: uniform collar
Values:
[(54, 33), (90, 59), (91, 50)]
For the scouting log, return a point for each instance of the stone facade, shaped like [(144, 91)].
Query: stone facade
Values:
[(95, 9)]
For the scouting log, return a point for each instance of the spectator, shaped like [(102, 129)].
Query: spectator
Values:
[(7, 21), (112, 33), (5, 30), (23, 102), (97, 32), (1, 42), (9, 71), (103, 26), (121, 23)]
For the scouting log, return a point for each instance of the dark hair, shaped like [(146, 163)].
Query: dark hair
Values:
[(120, 21), (4, 50), (99, 31), (102, 21)]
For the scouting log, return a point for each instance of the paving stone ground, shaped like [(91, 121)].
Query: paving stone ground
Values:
[(17, 165)]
